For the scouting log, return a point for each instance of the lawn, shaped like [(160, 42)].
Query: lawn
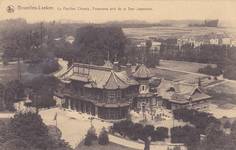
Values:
[(223, 99), (163, 32), (167, 74), (183, 65), (10, 72), (224, 93), (96, 146)]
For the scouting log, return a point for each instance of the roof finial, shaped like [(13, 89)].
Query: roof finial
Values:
[(116, 64), (199, 82)]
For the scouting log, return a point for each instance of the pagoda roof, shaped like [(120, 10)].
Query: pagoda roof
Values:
[(111, 80), (180, 92), (102, 77), (142, 72)]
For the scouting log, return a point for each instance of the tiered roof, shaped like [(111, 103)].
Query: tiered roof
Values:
[(102, 77), (142, 72), (180, 92)]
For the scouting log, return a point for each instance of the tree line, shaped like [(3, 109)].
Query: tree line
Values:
[(222, 55), (26, 131), (137, 131), (206, 126), (40, 91)]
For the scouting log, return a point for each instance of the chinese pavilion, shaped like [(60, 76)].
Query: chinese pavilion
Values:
[(175, 95), (102, 91), (145, 99)]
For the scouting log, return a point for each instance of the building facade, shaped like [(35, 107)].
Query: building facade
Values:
[(101, 91), (145, 99), (172, 95), (109, 92)]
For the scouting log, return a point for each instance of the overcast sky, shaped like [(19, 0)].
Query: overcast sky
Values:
[(161, 9)]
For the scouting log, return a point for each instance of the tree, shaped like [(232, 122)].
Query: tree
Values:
[(97, 43), (134, 131), (137, 131), (227, 124), (30, 127), (103, 137), (187, 135), (123, 127), (146, 136), (209, 70), (41, 91), (14, 90), (26, 131), (200, 120), (233, 131), (213, 133), (16, 144)]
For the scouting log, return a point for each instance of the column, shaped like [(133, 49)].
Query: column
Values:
[(96, 111), (78, 106), (82, 106), (69, 104), (85, 111)]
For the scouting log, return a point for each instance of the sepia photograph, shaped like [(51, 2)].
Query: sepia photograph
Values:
[(118, 75)]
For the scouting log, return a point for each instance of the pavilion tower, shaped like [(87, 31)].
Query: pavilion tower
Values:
[(145, 99)]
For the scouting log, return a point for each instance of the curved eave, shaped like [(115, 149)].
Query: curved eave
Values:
[(142, 77), (103, 105)]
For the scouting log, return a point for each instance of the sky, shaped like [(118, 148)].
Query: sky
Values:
[(156, 10)]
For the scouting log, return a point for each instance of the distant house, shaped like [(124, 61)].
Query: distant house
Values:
[(217, 39), (198, 40), (214, 41), (174, 95), (226, 41), (70, 39), (155, 48), (141, 45), (233, 43)]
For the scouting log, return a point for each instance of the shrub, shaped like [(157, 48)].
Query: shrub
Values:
[(160, 134), (147, 131), (200, 119), (209, 70), (90, 136), (124, 128), (103, 137), (187, 135), (137, 131), (88, 140)]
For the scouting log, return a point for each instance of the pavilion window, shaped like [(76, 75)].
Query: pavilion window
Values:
[(143, 88), (119, 94), (111, 96)]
